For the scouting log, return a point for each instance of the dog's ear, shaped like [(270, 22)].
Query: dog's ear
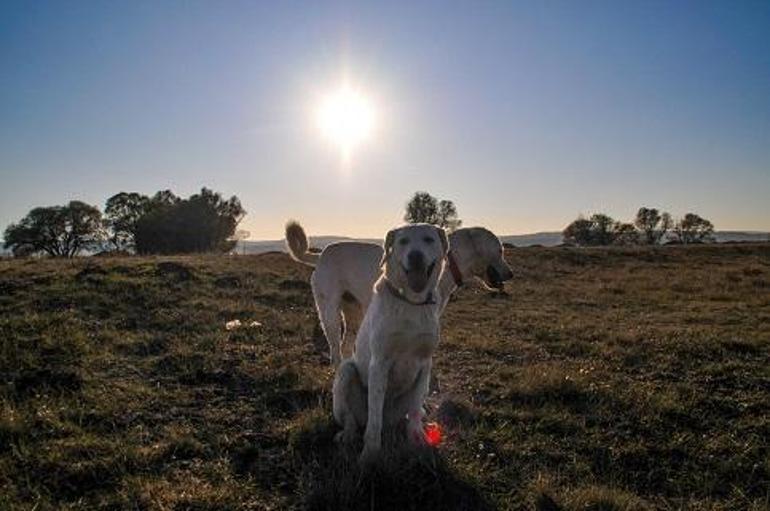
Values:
[(388, 247), (444, 240)]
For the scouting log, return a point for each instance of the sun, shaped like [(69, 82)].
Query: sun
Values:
[(346, 118)]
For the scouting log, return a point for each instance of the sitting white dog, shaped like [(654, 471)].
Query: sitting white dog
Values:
[(387, 377), (345, 273)]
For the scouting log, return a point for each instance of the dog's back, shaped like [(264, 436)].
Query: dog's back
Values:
[(349, 267)]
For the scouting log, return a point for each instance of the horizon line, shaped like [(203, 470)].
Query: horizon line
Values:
[(311, 236)]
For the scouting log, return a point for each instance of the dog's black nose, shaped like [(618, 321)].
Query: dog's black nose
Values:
[(416, 260)]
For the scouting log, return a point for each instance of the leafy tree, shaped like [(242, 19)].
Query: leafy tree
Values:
[(122, 213), (579, 232), (652, 225), (603, 229), (595, 231), (164, 198), (59, 231), (693, 229), (423, 207), (447, 215), (204, 222), (625, 234)]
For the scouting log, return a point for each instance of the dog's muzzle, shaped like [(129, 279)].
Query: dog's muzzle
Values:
[(418, 273), (494, 279)]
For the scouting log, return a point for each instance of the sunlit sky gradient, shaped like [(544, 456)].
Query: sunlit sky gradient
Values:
[(524, 113)]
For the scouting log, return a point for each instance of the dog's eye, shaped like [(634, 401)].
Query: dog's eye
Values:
[(403, 241), (428, 240)]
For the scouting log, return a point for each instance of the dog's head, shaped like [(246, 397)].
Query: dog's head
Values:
[(413, 256), (485, 252)]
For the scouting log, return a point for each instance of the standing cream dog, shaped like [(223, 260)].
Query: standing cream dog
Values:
[(387, 377), (346, 271)]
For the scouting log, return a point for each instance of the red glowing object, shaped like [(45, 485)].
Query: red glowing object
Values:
[(433, 434)]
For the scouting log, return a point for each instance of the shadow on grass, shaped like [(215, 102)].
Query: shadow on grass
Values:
[(404, 478)]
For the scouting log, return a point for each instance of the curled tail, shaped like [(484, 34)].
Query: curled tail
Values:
[(296, 242)]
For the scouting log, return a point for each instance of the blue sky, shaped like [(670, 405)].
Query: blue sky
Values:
[(526, 114)]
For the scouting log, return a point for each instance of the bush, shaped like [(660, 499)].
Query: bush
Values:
[(203, 223)]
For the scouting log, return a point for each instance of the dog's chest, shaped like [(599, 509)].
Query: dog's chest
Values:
[(409, 350), (411, 339)]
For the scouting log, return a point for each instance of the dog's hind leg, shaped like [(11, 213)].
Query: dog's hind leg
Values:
[(327, 298), (353, 314), (328, 305), (349, 401)]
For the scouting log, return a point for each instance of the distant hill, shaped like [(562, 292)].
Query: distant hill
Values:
[(551, 239), (546, 239), (259, 247), (742, 236)]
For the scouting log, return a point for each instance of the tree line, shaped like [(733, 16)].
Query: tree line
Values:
[(649, 227), (162, 224), (206, 222), (159, 224)]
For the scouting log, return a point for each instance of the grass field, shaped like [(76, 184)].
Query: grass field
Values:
[(605, 379)]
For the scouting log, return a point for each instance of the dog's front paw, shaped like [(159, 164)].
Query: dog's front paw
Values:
[(416, 435)]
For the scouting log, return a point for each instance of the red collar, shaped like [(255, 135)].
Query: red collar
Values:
[(456, 275)]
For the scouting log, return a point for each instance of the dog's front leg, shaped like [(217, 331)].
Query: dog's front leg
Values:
[(415, 402), (378, 385)]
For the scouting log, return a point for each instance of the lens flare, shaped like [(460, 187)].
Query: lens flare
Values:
[(433, 434)]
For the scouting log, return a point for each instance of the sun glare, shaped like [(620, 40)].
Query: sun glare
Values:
[(346, 118)]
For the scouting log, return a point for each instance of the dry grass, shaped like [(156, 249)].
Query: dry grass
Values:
[(607, 379)]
